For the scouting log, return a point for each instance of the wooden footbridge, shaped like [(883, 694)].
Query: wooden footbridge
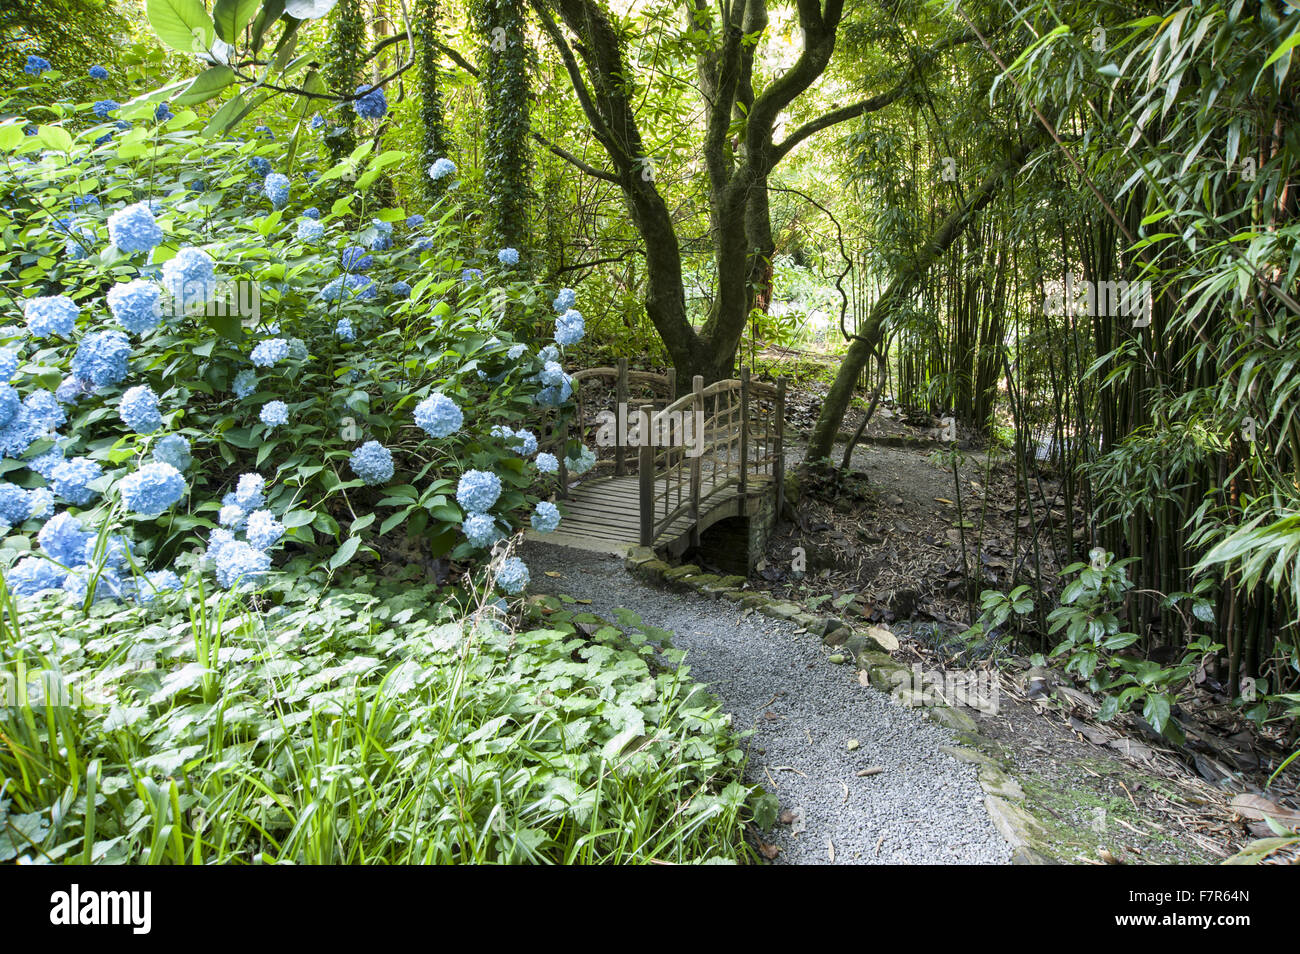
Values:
[(669, 468)]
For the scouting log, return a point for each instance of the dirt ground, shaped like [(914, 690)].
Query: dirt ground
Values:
[(905, 541)]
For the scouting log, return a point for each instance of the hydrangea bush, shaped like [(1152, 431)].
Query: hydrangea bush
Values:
[(187, 312)]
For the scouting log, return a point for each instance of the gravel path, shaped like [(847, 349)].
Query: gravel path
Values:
[(924, 808)]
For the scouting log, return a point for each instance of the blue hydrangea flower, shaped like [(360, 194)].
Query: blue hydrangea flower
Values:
[(265, 132), (442, 168), (175, 450), (263, 529), (9, 361), (153, 488), (274, 413), (310, 231), (513, 576), (97, 72), (344, 331), (481, 530), (478, 490), (298, 349), (103, 107), (117, 552), (423, 243), (32, 576), (249, 491), (52, 315), (516, 352), (237, 562), (190, 278), (371, 102), (579, 465), (42, 503), (546, 517), (270, 352), (134, 228), (81, 240), (35, 65), (373, 463), (62, 539), (439, 416), (414, 221), (317, 121), (15, 505), (44, 411), (70, 479), (245, 383), (565, 300), (261, 165), (569, 328), (471, 274), (138, 410), (162, 113), (400, 289), (231, 515), (525, 443), (70, 390), (547, 463), (276, 188), (383, 239), (549, 353), (10, 404), (508, 256), (18, 435), (311, 212), (101, 358), (349, 286), (158, 581), (137, 305), (552, 374), (355, 259), (45, 464)]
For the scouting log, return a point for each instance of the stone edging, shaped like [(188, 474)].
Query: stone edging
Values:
[(870, 647)]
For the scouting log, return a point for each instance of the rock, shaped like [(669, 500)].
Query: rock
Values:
[(950, 718), (1015, 824), (651, 571), (882, 638), (637, 556), (970, 756), (836, 635), (852, 745), (997, 782), (780, 610), (681, 572)]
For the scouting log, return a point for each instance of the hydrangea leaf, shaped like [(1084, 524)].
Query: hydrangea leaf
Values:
[(206, 85), (231, 16), (345, 552), (182, 24)]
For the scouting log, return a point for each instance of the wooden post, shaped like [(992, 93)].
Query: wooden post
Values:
[(744, 430), (563, 455), (697, 409), (778, 465), (620, 400), (646, 479)]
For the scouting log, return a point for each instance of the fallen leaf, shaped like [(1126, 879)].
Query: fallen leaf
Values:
[(873, 770), (768, 851), (555, 574), (1258, 808)]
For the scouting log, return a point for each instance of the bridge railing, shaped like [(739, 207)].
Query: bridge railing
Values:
[(706, 441), (617, 459)]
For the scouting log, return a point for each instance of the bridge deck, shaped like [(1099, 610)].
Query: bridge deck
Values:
[(604, 514)]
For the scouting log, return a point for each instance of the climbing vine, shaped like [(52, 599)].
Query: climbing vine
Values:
[(507, 160), (432, 119), (343, 71)]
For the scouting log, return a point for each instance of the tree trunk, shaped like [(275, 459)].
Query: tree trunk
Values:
[(900, 288)]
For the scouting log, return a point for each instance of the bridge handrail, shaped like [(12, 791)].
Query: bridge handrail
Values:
[(722, 429)]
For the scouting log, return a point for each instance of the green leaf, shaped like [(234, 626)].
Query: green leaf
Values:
[(206, 85), (55, 137), (231, 16), (345, 552), (297, 518), (228, 326), (182, 24)]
